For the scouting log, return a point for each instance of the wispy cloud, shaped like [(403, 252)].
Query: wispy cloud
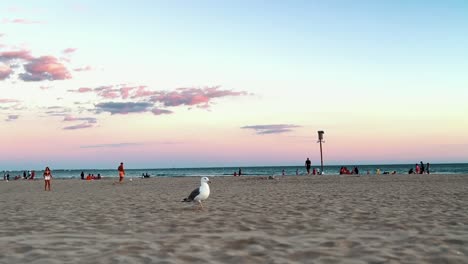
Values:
[(11, 118), (90, 120), (157, 111), (5, 100), (5, 72), (69, 50), (115, 145), (130, 144), (123, 108), (84, 68), (80, 126), (81, 90), (15, 55), (20, 21), (271, 129), (193, 96)]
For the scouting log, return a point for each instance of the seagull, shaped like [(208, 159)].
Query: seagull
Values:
[(201, 193)]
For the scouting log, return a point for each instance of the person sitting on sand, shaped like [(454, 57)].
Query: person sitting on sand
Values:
[(33, 174), (411, 171)]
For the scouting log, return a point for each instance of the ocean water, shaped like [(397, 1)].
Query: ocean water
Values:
[(457, 168)]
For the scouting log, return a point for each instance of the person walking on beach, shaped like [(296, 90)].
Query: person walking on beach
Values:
[(121, 172), (307, 164), (240, 172), (418, 169), (427, 168), (47, 178), (422, 167)]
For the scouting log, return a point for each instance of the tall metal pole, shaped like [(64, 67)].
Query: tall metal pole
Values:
[(321, 157), (320, 137)]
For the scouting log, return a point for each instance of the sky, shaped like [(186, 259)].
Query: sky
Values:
[(162, 84)]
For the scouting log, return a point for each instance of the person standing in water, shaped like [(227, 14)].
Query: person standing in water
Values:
[(47, 178), (121, 172)]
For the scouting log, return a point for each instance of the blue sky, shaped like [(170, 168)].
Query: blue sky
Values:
[(357, 69)]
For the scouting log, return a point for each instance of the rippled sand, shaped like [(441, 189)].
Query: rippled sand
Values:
[(291, 219)]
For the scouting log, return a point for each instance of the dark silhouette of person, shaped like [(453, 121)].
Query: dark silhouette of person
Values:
[(356, 170), (307, 164), (82, 175), (240, 172), (422, 167), (427, 168), (411, 171)]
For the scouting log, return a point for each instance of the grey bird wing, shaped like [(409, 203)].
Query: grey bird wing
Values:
[(192, 196)]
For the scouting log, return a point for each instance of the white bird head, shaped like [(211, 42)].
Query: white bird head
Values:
[(205, 179)]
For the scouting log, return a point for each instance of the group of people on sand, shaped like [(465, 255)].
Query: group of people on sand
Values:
[(345, 170), (29, 175), (48, 176), (236, 174), (420, 169), (308, 165), (90, 176)]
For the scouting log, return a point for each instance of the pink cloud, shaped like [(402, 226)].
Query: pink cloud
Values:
[(86, 68), (4, 101), (5, 72), (142, 92), (193, 96), (124, 91), (109, 93), (45, 68), (19, 21), (84, 90), (69, 50), (13, 55)]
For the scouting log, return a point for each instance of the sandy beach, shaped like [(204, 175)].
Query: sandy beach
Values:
[(290, 219)]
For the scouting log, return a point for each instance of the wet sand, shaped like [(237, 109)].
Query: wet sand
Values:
[(290, 219)]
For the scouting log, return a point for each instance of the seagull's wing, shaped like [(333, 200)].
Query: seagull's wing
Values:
[(192, 195)]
